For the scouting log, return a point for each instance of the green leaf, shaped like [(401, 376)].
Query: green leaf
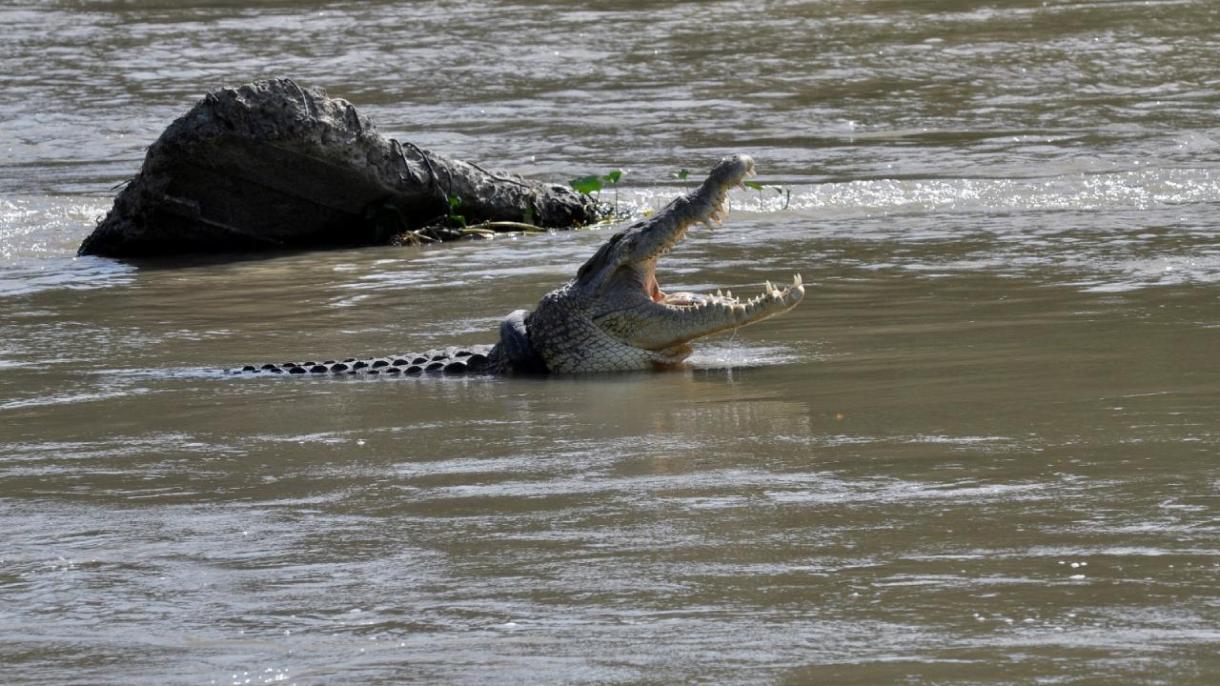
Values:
[(454, 202), (613, 176), (682, 174), (586, 184), (753, 184)]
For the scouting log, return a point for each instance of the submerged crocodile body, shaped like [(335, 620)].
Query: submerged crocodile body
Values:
[(612, 317)]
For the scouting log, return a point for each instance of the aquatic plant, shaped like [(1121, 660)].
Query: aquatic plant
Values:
[(786, 192), (453, 218), (594, 183)]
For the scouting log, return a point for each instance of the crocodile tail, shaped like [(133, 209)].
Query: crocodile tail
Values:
[(474, 359)]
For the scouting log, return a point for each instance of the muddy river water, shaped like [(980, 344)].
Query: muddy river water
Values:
[(984, 450)]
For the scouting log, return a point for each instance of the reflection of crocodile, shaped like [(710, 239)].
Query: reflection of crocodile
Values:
[(613, 316)]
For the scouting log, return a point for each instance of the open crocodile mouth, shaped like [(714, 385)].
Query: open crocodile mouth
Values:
[(725, 299), (629, 303), (772, 300)]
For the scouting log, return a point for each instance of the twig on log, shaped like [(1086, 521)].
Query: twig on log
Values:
[(498, 178)]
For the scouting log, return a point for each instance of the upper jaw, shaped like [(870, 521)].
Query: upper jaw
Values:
[(639, 245), (657, 235)]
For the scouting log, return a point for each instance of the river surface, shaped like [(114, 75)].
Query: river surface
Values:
[(984, 450)]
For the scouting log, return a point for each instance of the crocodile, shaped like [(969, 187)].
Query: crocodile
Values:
[(613, 316)]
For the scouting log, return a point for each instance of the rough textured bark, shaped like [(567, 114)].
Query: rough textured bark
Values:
[(272, 165)]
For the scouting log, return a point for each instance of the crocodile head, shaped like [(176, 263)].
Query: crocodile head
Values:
[(614, 314)]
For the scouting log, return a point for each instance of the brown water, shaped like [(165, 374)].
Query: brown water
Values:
[(984, 450)]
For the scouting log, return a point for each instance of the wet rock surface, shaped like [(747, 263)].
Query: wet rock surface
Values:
[(275, 165)]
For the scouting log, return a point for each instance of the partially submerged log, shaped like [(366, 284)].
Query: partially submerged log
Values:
[(272, 165)]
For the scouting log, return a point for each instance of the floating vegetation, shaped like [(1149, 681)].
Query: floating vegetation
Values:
[(786, 192), (594, 183)]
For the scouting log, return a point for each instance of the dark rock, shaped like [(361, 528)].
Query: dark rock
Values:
[(273, 165)]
